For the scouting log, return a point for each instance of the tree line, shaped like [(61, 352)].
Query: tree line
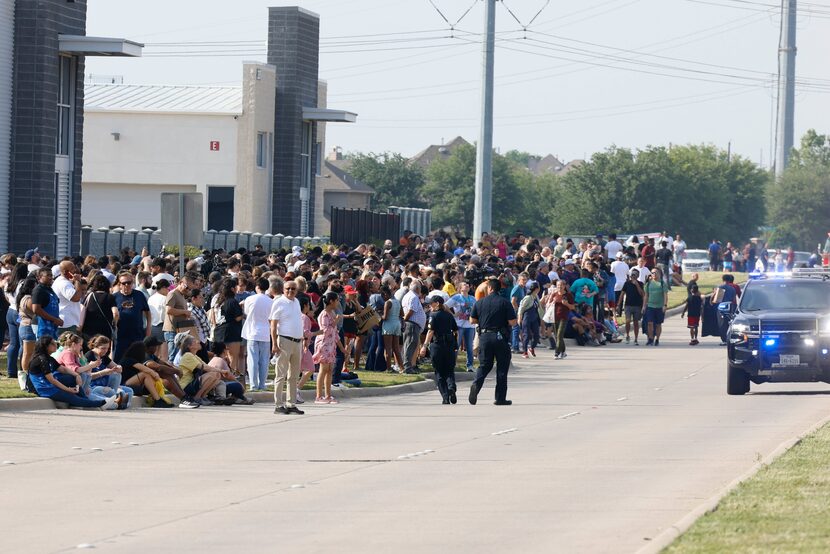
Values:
[(699, 191)]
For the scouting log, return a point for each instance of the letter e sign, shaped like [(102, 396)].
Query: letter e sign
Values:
[(214, 146)]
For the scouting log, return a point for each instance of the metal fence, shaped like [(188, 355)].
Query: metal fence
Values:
[(417, 220), (352, 227), (113, 241)]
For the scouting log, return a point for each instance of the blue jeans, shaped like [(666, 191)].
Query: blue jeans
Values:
[(375, 361), (13, 352), (259, 355), (466, 336), (80, 400), (514, 337), (170, 339)]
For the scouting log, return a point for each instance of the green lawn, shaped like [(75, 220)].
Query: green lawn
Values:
[(784, 508), (707, 282), (10, 389)]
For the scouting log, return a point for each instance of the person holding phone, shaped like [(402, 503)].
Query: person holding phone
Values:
[(43, 371)]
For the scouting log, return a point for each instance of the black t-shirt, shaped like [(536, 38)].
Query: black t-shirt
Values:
[(349, 324), (43, 365), (633, 297), (233, 328), (98, 319), (694, 306), (129, 369), (663, 256), (493, 312), (442, 323), (41, 296)]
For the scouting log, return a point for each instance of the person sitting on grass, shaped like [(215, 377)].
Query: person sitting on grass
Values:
[(198, 379), (105, 378), (72, 363), (143, 380), (49, 382), (230, 388)]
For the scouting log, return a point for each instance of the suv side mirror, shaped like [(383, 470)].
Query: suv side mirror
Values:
[(725, 309)]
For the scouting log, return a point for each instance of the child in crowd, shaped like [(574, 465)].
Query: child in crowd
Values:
[(105, 378), (307, 363), (693, 307), (72, 362)]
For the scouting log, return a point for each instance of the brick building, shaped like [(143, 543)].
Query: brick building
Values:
[(42, 51)]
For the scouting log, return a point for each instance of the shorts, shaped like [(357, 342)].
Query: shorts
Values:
[(693, 322), (655, 315), (27, 334), (193, 387), (633, 312)]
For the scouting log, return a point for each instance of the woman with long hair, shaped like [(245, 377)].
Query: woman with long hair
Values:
[(44, 373), (99, 311), (325, 347), (18, 275), (228, 316), (23, 300)]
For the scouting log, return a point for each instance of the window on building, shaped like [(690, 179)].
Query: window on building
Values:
[(220, 208), (66, 86), (262, 150)]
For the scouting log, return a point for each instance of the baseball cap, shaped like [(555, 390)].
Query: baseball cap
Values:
[(569, 262), (619, 255), (30, 254), (348, 289)]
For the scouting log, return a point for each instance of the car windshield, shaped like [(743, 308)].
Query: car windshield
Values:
[(786, 295), (696, 256)]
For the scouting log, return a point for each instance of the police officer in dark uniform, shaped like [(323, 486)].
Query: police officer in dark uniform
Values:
[(495, 317), (443, 342)]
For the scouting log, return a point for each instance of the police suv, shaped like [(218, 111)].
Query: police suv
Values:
[(780, 332)]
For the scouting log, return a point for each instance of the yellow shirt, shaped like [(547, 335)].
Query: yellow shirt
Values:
[(189, 363), (449, 288)]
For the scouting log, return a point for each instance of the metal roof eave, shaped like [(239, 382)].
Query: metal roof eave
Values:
[(329, 115), (99, 46)]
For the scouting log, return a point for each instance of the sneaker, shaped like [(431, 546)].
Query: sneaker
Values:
[(636, 343), (649, 342), (556, 357), (299, 399), (627, 340), (695, 342), (338, 386), (188, 403), (533, 352), (244, 401), (524, 355), (470, 370), (206, 402), (453, 397), (160, 404), (321, 400), (111, 402), (281, 410), (562, 356), (295, 410), (473, 398), (656, 342), (332, 400)]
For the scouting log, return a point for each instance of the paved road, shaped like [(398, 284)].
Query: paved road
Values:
[(599, 453)]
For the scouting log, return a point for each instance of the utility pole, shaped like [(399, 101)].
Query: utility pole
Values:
[(786, 86), (483, 217)]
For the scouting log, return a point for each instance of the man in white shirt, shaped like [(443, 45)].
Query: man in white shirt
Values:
[(679, 247), (620, 270), (613, 247), (641, 267), (414, 321), (256, 330), (287, 345), (70, 289), (32, 257)]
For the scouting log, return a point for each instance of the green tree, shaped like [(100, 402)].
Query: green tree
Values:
[(450, 190), (395, 180), (521, 158), (698, 191)]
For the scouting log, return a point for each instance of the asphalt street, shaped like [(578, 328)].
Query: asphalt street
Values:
[(599, 453)]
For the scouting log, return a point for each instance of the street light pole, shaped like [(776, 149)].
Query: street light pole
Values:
[(482, 219)]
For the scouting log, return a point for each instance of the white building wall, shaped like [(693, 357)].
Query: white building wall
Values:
[(154, 153), (6, 74)]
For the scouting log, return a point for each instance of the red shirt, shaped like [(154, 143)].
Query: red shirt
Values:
[(648, 253)]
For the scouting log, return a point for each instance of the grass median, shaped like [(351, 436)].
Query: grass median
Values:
[(785, 507), (707, 283)]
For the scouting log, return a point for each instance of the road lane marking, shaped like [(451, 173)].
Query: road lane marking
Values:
[(622, 399), (566, 416)]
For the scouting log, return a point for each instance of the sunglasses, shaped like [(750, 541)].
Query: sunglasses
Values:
[(125, 282), (290, 289)]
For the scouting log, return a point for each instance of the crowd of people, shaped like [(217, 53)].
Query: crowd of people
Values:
[(97, 331)]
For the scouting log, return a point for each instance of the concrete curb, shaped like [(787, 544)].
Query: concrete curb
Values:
[(428, 384), (669, 535)]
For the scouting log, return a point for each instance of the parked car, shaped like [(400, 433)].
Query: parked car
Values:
[(696, 260)]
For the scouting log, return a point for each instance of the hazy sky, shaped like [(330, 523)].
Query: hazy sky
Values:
[(585, 75)]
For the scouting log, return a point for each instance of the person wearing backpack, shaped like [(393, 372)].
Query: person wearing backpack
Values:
[(655, 302)]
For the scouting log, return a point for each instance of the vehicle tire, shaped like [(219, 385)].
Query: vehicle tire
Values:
[(737, 380)]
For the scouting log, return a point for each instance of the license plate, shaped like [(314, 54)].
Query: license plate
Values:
[(790, 359)]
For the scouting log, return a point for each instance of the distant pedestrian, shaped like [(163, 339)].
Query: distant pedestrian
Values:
[(693, 308)]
